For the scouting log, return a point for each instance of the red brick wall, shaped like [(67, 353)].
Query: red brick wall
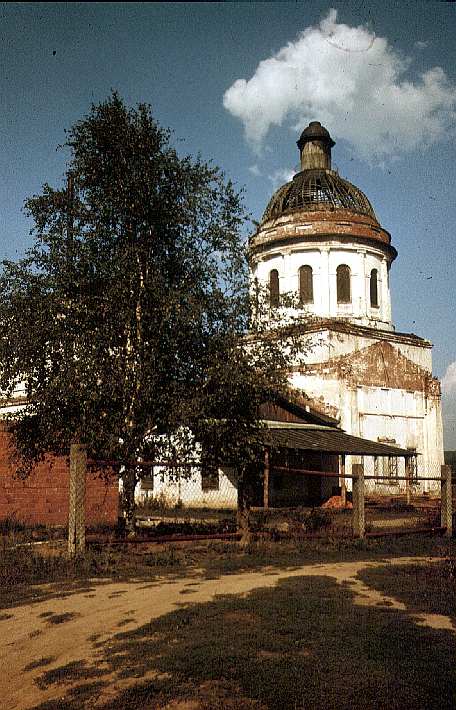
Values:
[(43, 496)]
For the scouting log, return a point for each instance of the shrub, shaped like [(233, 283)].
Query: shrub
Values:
[(11, 526), (317, 519)]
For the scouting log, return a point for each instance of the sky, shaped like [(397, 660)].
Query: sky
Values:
[(237, 82)]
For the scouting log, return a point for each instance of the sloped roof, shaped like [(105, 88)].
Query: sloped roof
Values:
[(304, 410), (327, 440)]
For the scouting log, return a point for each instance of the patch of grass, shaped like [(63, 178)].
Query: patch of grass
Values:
[(11, 525), (228, 558), (300, 645), (62, 618), (13, 530), (24, 569), (75, 698), (39, 663), (70, 673), (429, 589)]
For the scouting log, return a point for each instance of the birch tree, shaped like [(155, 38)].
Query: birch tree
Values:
[(126, 317)]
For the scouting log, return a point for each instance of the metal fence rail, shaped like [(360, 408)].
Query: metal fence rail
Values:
[(366, 500)]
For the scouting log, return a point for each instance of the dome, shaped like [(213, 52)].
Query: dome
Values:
[(314, 132), (318, 189)]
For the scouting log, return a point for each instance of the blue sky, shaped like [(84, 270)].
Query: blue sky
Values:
[(382, 77)]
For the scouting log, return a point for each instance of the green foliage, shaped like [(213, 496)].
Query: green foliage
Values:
[(125, 319), (317, 519)]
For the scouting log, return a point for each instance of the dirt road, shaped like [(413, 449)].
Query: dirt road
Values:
[(50, 634)]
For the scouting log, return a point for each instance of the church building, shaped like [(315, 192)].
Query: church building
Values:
[(320, 241)]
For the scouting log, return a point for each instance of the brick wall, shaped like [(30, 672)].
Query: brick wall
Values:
[(43, 496)]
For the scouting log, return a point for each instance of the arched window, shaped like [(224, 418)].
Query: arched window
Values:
[(305, 285), (274, 291), (374, 288), (343, 284)]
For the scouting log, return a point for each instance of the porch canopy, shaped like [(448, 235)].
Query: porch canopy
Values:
[(328, 440)]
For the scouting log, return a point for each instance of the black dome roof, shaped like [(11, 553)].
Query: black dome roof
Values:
[(315, 131), (318, 189)]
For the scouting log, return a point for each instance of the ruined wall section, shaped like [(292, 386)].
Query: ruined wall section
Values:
[(377, 392)]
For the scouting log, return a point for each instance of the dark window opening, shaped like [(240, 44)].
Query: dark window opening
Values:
[(343, 284), (274, 291), (305, 285), (147, 482), (374, 288), (209, 468), (392, 468), (210, 478)]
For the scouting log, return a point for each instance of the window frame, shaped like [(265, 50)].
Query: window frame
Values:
[(274, 288), (343, 284), (373, 289), (306, 291)]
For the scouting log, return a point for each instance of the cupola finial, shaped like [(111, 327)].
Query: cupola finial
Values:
[(315, 146)]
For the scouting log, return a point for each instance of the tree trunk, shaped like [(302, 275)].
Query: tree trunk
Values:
[(129, 485), (243, 511)]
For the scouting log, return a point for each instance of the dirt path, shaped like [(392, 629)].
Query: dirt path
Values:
[(50, 634)]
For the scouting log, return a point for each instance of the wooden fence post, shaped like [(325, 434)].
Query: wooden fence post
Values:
[(76, 509), (266, 478), (446, 511), (343, 483), (358, 500)]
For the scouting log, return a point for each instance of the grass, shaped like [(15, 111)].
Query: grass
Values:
[(30, 573), (430, 589), (303, 644), (23, 567)]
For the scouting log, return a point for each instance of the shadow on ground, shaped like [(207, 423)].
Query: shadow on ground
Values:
[(302, 644)]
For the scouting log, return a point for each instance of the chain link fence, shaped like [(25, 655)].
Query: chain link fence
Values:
[(402, 498), (186, 501), (366, 496)]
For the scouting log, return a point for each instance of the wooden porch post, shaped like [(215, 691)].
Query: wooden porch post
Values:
[(408, 476), (266, 479), (343, 486)]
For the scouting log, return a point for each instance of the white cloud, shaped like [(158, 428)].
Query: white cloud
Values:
[(255, 170), (280, 176), (449, 379), (449, 406), (354, 83)]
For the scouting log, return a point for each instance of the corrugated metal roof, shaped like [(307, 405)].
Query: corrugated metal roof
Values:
[(331, 441)]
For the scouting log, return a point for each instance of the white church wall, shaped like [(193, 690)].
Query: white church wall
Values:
[(409, 419), (188, 491), (324, 261), (326, 344)]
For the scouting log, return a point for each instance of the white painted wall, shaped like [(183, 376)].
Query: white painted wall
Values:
[(324, 259), (188, 492), (412, 419), (326, 344)]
